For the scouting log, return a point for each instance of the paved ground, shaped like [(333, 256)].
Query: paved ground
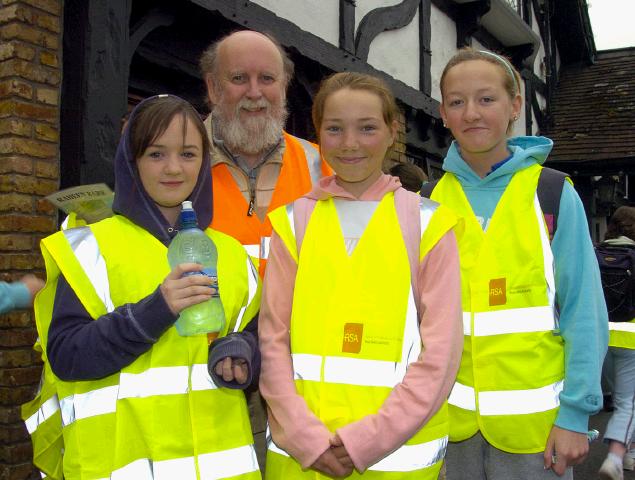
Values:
[(589, 470)]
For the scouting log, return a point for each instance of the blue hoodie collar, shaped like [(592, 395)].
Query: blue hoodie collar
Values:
[(525, 151), (132, 200)]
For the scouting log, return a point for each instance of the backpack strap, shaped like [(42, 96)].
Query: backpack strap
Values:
[(550, 185)]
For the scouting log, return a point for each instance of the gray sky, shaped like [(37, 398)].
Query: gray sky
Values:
[(613, 23)]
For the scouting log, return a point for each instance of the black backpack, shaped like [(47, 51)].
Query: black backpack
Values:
[(617, 266)]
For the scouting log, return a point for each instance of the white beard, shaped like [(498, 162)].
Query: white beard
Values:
[(255, 134)]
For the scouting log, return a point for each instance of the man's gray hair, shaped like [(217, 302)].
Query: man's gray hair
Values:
[(209, 59)]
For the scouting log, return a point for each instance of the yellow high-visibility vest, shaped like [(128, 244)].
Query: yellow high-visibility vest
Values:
[(512, 368), (622, 334), (352, 342), (161, 416)]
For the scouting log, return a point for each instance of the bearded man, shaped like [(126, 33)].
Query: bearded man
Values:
[(256, 165)]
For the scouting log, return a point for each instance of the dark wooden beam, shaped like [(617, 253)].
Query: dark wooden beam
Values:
[(347, 25), (519, 53), (468, 20), (105, 86), (153, 19), (380, 20), (529, 94), (425, 52)]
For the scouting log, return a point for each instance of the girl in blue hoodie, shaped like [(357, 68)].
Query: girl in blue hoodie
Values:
[(535, 322)]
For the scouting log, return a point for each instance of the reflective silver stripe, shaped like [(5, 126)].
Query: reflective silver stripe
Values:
[(306, 366), (46, 411), (462, 396), (508, 402), (201, 379), (409, 458), (406, 458), (84, 405), (427, 208), (411, 345), (252, 286), (86, 250), (264, 247), (227, 463), (313, 160), (518, 402), (549, 262), (271, 445), (212, 466), (289, 210), (622, 327), (355, 371), (252, 250), (64, 224), (515, 320), (141, 469), (155, 381), (467, 323), (181, 468)]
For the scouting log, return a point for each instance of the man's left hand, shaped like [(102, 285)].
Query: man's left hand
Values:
[(565, 448)]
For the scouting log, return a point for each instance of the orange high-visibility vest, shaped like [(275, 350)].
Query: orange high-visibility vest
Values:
[(301, 169)]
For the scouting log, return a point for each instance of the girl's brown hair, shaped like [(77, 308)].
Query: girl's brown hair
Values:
[(353, 81), (152, 118), (622, 223)]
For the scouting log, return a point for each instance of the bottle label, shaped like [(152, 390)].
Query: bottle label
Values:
[(211, 273)]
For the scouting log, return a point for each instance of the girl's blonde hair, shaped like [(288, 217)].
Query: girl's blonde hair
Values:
[(353, 81)]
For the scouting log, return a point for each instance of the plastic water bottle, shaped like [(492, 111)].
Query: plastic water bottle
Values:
[(191, 245)]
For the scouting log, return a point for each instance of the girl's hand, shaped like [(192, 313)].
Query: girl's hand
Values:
[(32, 283), (339, 450), (329, 464), (181, 292), (232, 369)]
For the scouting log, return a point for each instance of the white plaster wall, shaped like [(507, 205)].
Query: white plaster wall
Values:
[(395, 52), (319, 17), (443, 46)]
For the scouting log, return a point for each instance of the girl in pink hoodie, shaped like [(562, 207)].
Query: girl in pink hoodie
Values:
[(360, 323)]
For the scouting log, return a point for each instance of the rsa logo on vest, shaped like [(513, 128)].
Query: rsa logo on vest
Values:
[(497, 291), (352, 342)]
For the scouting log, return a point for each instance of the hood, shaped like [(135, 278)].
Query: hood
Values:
[(328, 187), (525, 152), (132, 200)]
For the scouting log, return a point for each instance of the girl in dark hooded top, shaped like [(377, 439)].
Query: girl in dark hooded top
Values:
[(135, 397)]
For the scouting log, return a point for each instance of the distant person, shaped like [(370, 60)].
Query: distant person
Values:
[(621, 426), (19, 294), (534, 318), (257, 165), (410, 175), (360, 325)]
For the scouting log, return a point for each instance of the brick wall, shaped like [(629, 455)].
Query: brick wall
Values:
[(30, 73), (398, 153)]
